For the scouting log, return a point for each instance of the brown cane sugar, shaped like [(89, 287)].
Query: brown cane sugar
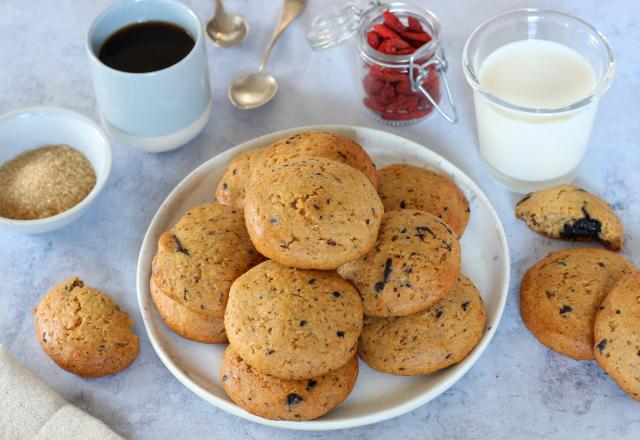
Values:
[(44, 182)]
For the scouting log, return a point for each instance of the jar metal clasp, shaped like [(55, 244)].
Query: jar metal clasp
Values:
[(418, 72)]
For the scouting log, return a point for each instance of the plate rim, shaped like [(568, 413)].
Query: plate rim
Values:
[(321, 425)]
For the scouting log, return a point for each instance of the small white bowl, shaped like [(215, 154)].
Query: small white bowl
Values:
[(34, 127)]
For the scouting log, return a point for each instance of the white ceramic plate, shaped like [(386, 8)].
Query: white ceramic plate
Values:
[(376, 396)]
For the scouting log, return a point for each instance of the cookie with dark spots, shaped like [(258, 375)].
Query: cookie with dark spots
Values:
[(285, 326), (313, 213), (199, 258), (405, 186), (281, 399), (617, 334), (571, 213), (560, 294), (232, 186), (415, 263), (185, 322), (427, 341), (84, 331), (316, 144)]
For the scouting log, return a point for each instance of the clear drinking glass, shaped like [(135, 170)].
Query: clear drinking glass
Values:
[(526, 149)]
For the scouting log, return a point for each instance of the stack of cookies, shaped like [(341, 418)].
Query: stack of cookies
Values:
[(583, 302), (358, 262)]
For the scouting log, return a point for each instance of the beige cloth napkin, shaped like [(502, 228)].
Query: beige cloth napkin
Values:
[(29, 409)]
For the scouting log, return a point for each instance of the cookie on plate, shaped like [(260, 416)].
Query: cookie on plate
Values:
[(84, 331), (281, 399), (560, 294), (617, 334), (313, 213), (291, 323), (185, 322), (427, 341), (415, 262), (316, 144), (231, 188), (571, 213), (199, 258), (407, 186)]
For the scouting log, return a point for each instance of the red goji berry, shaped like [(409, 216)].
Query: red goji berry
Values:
[(386, 74), (388, 92), (404, 87), (392, 21), (374, 39), (393, 46), (414, 24), (372, 85), (385, 32), (421, 37), (373, 104)]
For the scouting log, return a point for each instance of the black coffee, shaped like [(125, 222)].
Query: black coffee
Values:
[(146, 47)]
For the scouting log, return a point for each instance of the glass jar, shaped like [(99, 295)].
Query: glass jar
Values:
[(395, 89)]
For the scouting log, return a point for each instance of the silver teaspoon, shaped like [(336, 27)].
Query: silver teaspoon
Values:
[(256, 89), (226, 30)]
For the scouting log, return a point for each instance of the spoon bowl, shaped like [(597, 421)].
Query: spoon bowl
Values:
[(252, 90), (256, 89), (225, 29)]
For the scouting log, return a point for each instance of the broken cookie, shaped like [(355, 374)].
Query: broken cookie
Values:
[(571, 213)]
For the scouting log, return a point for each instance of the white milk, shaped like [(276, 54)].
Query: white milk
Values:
[(527, 150)]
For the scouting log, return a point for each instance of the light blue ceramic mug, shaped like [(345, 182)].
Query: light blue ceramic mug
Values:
[(154, 111)]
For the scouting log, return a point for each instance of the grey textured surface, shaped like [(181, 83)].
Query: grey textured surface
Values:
[(518, 389)]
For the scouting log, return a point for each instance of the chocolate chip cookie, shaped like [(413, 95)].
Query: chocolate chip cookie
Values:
[(559, 297), (199, 258), (231, 188), (281, 399), (185, 322), (316, 144), (313, 213), (415, 262), (292, 323), (617, 334), (407, 186), (427, 341), (84, 331), (571, 213)]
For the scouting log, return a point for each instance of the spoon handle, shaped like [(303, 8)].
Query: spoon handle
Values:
[(290, 10), (219, 8)]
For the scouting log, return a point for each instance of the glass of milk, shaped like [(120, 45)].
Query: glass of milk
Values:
[(537, 77)]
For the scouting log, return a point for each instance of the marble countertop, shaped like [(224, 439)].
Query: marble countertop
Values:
[(518, 388)]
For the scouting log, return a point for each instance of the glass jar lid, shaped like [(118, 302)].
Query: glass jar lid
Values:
[(337, 24)]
